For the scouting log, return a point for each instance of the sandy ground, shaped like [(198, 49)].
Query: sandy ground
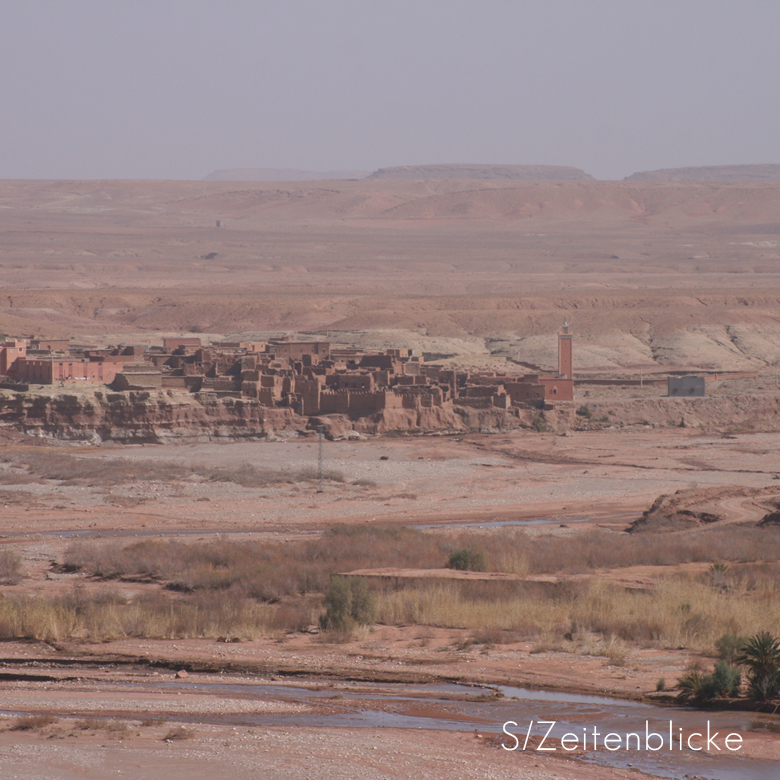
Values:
[(107, 724), (600, 476), (585, 479), (282, 754)]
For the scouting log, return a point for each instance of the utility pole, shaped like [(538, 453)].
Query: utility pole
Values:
[(320, 429)]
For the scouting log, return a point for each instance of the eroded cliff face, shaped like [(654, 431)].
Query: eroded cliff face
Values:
[(143, 417)]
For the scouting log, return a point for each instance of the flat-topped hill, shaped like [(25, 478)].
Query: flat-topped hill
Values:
[(711, 173), (280, 174), (484, 172)]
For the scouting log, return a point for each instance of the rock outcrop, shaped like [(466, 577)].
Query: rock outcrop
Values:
[(145, 416)]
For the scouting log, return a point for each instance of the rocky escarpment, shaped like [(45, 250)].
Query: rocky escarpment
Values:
[(695, 507), (144, 417), (140, 417), (484, 173), (711, 173)]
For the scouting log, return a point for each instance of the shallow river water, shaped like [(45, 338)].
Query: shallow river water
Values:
[(465, 708)]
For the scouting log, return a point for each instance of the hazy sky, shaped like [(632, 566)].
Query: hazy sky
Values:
[(177, 88)]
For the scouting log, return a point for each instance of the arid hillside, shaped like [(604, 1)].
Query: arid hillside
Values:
[(652, 274)]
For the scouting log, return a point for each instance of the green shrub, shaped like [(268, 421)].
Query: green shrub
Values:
[(726, 679), (698, 688), (468, 560), (693, 688), (584, 411), (660, 685), (729, 647), (348, 604)]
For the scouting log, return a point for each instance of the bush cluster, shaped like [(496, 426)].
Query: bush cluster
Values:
[(759, 656), (348, 604)]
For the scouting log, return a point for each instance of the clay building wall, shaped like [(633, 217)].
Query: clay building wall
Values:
[(370, 402), (240, 346), (177, 342), (265, 396), (556, 389), (222, 384), (381, 378), (51, 345), (48, 370), (139, 380), (382, 362), (529, 390), (295, 350), (183, 383), (482, 391), (250, 363), (405, 381), (10, 351), (309, 393), (419, 397), (356, 382)]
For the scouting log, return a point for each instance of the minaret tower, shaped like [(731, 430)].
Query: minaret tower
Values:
[(564, 353)]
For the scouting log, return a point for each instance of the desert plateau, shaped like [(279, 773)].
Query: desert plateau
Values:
[(331, 498)]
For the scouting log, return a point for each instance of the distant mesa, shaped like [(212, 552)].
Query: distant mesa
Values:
[(711, 173), (484, 172), (280, 174)]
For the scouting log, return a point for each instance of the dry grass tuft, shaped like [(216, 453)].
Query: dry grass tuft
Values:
[(151, 722), (10, 567), (115, 727), (32, 722), (243, 589), (179, 732), (259, 570), (158, 616), (680, 613)]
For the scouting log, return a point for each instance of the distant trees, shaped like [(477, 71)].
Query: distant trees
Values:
[(758, 655)]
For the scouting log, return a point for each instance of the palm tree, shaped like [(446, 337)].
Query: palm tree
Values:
[(761, 655)]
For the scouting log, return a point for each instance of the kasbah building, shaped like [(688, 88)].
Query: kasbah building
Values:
[(311, 377)]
